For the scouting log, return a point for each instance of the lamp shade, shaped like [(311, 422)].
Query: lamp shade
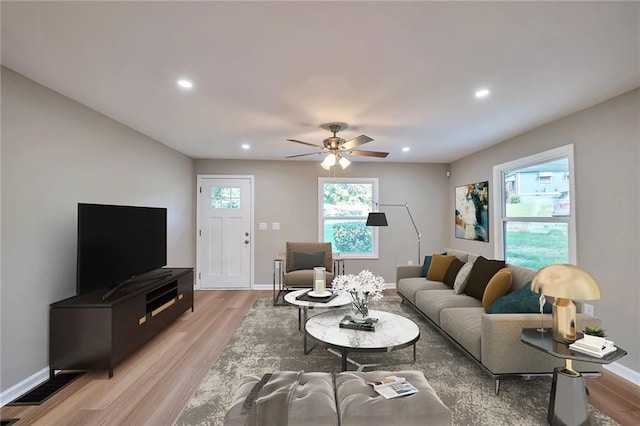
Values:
[(565, 281), (377, 219)]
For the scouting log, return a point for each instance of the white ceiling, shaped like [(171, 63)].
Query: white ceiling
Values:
[(402, 73)]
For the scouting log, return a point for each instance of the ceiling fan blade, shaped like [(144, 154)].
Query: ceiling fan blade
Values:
[(305, 143), (362, 139), (368, 153), (302, 155)]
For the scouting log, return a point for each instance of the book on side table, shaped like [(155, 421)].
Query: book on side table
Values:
[(365, 325), (589, 348), (393, 386)]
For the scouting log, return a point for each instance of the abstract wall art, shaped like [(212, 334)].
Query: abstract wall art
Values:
[(472, 211)]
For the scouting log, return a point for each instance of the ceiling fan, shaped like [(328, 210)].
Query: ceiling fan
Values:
[(337, 148)]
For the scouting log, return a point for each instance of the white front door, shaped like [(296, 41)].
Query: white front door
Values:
[(224, 232)]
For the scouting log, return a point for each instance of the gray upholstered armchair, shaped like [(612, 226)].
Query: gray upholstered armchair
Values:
[(300, 260)]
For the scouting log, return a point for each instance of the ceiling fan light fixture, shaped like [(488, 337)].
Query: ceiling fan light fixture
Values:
[(344, 162), (329, 161)]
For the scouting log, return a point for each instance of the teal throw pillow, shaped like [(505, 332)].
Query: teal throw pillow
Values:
[(425, 266), (523, 301)]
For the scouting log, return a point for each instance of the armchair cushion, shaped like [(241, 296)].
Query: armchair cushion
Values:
[(303, 260)]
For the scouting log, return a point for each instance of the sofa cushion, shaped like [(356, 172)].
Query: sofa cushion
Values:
[(431, 302), (520, 276), (359, 405), (303, 278), (462, 256), (408, 287), (452, 272), (465, 326), (425, 266), (482, 271), (519, 302), (462, 278), (497, 287), (439, 265)]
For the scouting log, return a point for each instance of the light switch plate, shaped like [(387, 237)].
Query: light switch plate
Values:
[(262, 226), (588, 309), (275, 226)]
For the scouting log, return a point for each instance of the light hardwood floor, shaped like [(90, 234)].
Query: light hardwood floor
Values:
[(154, 384)]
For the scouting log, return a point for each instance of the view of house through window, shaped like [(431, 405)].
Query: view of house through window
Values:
[(537, 219), (344, 206)]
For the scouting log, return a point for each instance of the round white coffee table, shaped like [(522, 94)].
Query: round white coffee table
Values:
[(304, 305), (392, 332)]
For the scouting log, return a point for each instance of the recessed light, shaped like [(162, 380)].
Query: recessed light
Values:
[(185, 84), (482, 93), (246, 146), (406, 149)]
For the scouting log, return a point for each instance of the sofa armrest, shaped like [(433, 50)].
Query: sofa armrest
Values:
[(502, 351), (408, 271)]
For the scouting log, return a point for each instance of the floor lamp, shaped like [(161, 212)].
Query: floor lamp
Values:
[(380, 219)]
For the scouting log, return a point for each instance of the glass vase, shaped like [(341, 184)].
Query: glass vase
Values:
[(360, 304)]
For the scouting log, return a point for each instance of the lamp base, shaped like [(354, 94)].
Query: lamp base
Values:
[(564, 321)]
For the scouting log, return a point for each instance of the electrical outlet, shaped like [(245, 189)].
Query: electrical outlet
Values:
[(588, 309), (410, 262)]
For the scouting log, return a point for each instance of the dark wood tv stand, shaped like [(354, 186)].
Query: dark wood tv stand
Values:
[(86, 332)]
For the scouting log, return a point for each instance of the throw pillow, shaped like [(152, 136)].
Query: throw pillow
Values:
[(307, 260), (462, 278), (497, 287), (452, 272), (425, 266), (523, 301), (482, 271), (439, 265)]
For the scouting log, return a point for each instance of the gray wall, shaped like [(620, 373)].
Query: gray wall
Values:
[(56, 153), (286, 192), (606, 140)]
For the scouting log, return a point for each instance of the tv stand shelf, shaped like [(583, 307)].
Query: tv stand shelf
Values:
[(86, 332)]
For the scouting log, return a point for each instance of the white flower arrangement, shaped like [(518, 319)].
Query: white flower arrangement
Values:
[(364, 285)]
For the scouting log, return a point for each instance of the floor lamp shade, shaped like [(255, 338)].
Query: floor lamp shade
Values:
[(377, 219)]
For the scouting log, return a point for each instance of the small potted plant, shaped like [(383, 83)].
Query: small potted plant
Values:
[(594, 335)]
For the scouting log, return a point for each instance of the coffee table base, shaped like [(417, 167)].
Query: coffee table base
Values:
[(343, 353)]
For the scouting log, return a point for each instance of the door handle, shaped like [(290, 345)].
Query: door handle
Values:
[(246, 241), (246, 234)]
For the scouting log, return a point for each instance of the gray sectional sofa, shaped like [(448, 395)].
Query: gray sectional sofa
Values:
[(492, 341)]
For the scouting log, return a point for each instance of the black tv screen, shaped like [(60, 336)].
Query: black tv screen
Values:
[(116, 243)]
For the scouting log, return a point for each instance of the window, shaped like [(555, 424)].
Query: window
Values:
[(225, 198), (535, 215), (344, 204)]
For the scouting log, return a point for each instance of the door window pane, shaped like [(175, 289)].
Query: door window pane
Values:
[(225, 197)]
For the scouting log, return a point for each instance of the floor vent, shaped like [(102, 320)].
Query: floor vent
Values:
[(40, 394)]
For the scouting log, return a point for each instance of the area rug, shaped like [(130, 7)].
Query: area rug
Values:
[(268, 340)]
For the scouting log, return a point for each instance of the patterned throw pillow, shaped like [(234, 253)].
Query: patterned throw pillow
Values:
[(462, 278)]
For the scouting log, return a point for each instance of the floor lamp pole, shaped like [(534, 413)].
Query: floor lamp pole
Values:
[(418, 234)]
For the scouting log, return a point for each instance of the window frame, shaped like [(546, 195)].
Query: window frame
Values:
[(374, 200), (499, 201)]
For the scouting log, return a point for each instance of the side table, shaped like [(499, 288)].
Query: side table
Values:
[(568, 400), (278, 281)]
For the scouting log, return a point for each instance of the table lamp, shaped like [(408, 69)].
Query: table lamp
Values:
[(565, 282)]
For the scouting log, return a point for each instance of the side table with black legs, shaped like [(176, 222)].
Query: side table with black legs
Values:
[(568, 400)]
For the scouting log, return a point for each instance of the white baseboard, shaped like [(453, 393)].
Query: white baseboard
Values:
[(24, 386), (624, 372)]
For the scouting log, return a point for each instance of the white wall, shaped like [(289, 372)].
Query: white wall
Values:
[(606, 140), (287, 192), (56, 153)]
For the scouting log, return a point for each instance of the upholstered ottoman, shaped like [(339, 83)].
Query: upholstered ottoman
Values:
[(299, 398), (360, 405)]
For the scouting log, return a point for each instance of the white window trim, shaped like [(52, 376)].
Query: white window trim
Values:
[(499, 190), (374, 201)]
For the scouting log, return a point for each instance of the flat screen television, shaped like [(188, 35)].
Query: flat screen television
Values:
[(116, 244)]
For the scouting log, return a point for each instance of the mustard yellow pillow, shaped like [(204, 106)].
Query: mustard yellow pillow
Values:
[(438, 268), (497, 287)]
